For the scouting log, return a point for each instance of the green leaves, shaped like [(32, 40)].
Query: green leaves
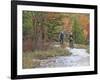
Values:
[(27, 22), (77, 30)]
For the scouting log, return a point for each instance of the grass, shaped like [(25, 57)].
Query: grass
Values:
[(80, 46), (28, 62), (32, 59)]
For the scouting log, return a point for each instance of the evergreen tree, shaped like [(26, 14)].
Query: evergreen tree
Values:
[(78, 35), (27, 22)]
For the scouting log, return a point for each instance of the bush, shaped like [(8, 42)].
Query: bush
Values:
[(49, 53)]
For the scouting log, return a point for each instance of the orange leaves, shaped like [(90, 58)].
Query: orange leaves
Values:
[(84, 21), (67, 24)]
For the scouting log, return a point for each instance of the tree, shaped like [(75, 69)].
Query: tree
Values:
[(38, 30), (45, 28), (27, 23), (54, 24), (77, 31)]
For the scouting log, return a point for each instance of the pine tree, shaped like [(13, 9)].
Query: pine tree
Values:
[(78, 35)]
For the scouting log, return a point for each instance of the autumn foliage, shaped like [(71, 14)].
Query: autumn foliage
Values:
[(40, 29)]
